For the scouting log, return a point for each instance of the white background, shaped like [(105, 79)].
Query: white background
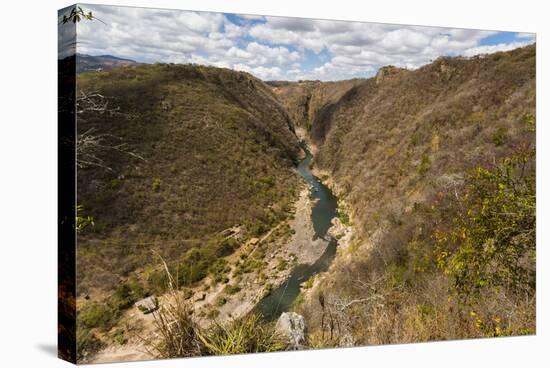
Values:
[(28, 184)]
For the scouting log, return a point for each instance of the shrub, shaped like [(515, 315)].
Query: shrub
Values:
[(196, 263), (178, 332), (190, 272), (116, 183), (478, 117), (269, 181), (218, 269), (155, 185), (248, 265), (94, 314), (128, 293), (492, 241), (86, 343), (246, 335), (119, 336), (220, 301), (343, 217), (180, 336), (529, 121), (231, 289), (298, 301), (308, 284), (282, 264), (424, 165), (212, 313), (500, 136), (258, 229), (82, 221), (157, 281)]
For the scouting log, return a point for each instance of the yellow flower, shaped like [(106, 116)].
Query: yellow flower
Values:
[(479, 323)]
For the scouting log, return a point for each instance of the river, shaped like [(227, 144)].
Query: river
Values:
[(323, 211)]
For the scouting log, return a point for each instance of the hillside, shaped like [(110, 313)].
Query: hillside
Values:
[(186, 162), (305, 99), (194, 151), (394, 137), (435, 169)]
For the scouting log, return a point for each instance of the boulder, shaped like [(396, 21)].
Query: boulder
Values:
[(147, 305), (292, 326), (337, 229)]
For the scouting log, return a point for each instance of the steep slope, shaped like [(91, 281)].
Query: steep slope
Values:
[(443, 242), (394, 137), (184, 152), (304, 99)]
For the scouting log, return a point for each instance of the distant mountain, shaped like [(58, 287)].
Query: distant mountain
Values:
[(87, 63)]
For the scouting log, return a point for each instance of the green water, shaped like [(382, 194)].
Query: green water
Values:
[(323, 211)]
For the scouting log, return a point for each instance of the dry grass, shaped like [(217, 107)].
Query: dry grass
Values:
[(219, 151), (400, 152), (246, 335), (177, 334)]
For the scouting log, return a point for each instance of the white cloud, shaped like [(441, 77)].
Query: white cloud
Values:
[(66, 38), (265, 73), (489, 49), (203, 22), (526, 36), (367, 44), (277, 36), (274, 47), (252, 17), (271, 55), (152, 35)]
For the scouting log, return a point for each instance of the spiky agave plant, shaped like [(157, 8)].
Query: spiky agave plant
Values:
[(178, 335), (176, 331), (249, 334)]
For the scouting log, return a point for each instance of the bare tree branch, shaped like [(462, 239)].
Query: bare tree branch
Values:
[(342, 306), (92, 148)]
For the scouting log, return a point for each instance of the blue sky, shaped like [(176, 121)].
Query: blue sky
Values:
[(278, 47)]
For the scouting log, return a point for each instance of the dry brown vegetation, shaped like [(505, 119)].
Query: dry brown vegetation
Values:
[(210, 148), (179, 335), (305, 99), (437, 165)]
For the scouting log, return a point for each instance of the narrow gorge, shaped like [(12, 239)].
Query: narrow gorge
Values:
[(338, 201)]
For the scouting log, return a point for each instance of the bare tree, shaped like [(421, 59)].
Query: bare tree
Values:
[(92, 148)]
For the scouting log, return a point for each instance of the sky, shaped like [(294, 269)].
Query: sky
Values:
[(277, 48)]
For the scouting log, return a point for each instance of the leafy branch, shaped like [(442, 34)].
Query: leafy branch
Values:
[(77, 14)]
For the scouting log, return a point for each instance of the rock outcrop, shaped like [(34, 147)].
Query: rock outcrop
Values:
[(147, 305), (292, 326), (387, 72)]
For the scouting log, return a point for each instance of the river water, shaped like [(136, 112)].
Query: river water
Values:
[(323, 211)]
